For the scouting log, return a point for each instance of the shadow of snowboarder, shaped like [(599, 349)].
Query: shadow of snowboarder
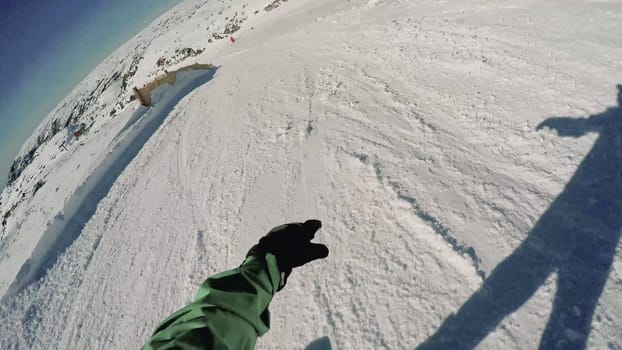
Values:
[(576, 238)]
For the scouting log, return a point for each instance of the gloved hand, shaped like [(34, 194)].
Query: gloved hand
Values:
[(291, 245)]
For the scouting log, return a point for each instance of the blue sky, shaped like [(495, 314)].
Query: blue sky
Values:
[(48, 47)]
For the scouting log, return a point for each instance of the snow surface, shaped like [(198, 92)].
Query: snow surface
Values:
[(409, 128)]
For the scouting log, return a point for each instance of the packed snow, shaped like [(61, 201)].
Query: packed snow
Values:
[(421, 133)]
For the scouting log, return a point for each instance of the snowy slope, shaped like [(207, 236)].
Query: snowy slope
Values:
[(408, 128)]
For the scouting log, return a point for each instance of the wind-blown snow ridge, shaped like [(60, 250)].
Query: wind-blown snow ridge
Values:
[(444, 232), (435, 224), (68, 225)]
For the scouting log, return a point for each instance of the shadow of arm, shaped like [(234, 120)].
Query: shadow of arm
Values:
[(566, 126)]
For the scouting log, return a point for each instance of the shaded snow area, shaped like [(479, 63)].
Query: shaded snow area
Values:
[(464, 157)]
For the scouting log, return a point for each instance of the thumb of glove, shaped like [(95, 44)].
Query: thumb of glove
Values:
[(310, 252)]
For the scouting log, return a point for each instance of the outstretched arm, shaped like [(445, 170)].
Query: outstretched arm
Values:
[(231, 308), (576, 127), (229, 312), (566, 126)]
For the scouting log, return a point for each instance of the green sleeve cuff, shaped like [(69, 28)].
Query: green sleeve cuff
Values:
[(245, 292)]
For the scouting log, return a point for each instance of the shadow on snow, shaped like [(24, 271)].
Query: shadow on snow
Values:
[(576, 238), (322, 343)]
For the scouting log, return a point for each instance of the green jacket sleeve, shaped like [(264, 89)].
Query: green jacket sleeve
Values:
[(229, 312)]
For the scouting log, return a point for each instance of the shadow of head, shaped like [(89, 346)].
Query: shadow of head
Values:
[(322, 343)]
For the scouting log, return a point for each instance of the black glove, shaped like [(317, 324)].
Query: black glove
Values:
[(291, 245)]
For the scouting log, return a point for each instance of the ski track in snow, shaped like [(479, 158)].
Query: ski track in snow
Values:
[(408, 128)]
